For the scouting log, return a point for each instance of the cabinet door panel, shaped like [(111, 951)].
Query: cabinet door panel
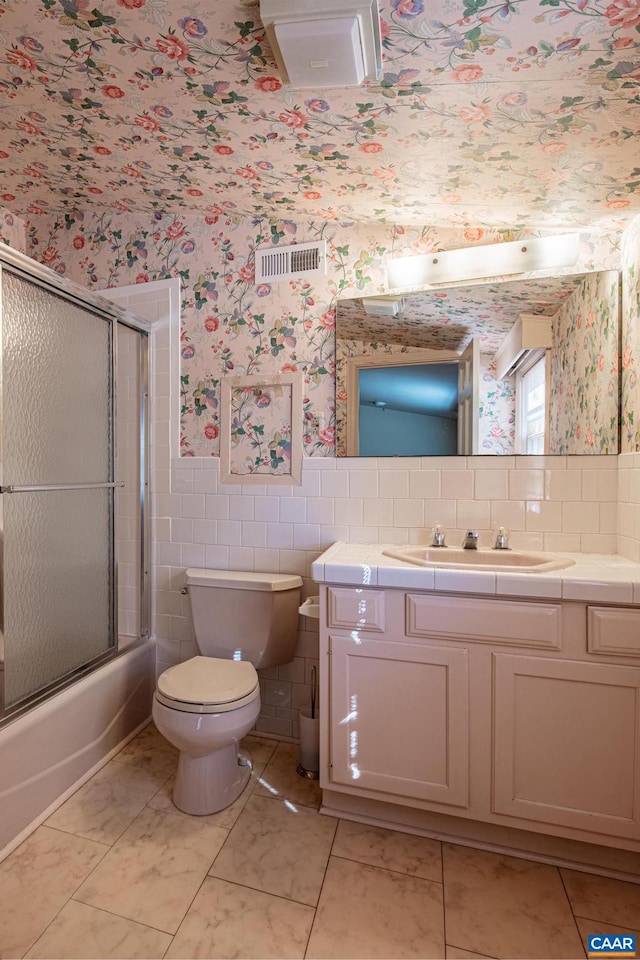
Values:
[(399, 719), (566, 737)]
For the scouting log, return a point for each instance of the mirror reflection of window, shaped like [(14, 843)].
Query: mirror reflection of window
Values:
[(531, 407)]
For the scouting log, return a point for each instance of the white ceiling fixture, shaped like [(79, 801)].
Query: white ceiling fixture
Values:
[(479, 263), (529, 333), (382, 306), (332, 43)]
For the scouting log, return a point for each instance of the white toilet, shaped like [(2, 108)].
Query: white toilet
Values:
[(205, 706)]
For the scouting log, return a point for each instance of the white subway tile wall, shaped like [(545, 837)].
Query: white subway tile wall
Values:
[(557, 503), (628, 535)]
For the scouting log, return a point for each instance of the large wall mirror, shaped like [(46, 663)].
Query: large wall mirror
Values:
[(521, 366)]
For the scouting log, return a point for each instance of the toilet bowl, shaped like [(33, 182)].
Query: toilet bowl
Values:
[(206, 705)]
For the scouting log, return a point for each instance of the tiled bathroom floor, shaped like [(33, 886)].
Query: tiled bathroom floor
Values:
[(117, 871)]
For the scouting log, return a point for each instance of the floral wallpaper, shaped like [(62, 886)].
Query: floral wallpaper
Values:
[(630, 416), (497, 432), (12, 231), (519, 114), (143, 139), (584, 369), (230, 325), (261, 429)]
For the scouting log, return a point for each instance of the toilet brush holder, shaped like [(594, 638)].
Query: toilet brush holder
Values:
[(309, 765)]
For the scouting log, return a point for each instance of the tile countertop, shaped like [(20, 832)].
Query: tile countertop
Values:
[(594, 577)]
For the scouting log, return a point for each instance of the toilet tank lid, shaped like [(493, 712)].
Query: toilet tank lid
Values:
[(242, 580)]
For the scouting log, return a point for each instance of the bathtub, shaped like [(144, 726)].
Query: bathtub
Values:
[(47, 753)]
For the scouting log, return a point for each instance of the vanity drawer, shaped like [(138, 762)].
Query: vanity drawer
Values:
[(613, 631), (354, 609), (494, 621)]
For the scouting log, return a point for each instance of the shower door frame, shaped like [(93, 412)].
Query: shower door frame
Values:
[(30, 270)]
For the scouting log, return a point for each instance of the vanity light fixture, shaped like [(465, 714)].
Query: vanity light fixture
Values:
[(335, 43), (484, 262)]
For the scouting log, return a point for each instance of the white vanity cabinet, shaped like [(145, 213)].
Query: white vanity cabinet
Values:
[(565, 744), (399, 718), (513, 712)]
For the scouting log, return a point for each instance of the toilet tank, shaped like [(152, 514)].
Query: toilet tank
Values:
[(245, 616)]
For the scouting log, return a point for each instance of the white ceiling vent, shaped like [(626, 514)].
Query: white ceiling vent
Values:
[(290, 263), (324, 43)]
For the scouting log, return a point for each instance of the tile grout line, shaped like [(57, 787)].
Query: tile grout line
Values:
[(324, 877), (71, 895), (444, 900), (566, 893), (378, 866)]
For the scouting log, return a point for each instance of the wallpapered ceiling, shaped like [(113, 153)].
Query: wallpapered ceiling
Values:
[(448, 319), (517, 113)]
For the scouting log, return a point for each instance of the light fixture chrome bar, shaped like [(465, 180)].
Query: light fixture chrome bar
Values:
[(42, 487)]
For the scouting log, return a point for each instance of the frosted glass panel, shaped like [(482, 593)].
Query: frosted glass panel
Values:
[(57, 586), (56, 369)]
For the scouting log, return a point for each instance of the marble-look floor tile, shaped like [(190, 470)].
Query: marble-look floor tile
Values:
[(417, 856), (223, 818), (260, 748), (103, 808), (281, 780), (36, 880), (372, 913), (506, 907), (80, 932), (603, 899), (154, 870), (279, 848), (150, 751), (227, 920)]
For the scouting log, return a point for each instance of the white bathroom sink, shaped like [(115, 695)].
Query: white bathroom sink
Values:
[(455, 558)]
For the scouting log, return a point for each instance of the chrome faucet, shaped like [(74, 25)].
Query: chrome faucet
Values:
[(502, 539), (470, 541), (438, 536)]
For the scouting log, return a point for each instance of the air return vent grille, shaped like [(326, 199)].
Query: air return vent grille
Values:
[(289, 263)]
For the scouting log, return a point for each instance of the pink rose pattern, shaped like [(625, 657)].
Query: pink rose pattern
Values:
[(229, 325), (584, 374), (261, 431), (630, 362), (134, 105), (128, 107), (12, 231)]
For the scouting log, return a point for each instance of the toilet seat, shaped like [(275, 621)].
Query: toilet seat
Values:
[(208, 685)]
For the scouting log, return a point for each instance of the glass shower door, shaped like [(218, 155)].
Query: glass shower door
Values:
[(57, 488)]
